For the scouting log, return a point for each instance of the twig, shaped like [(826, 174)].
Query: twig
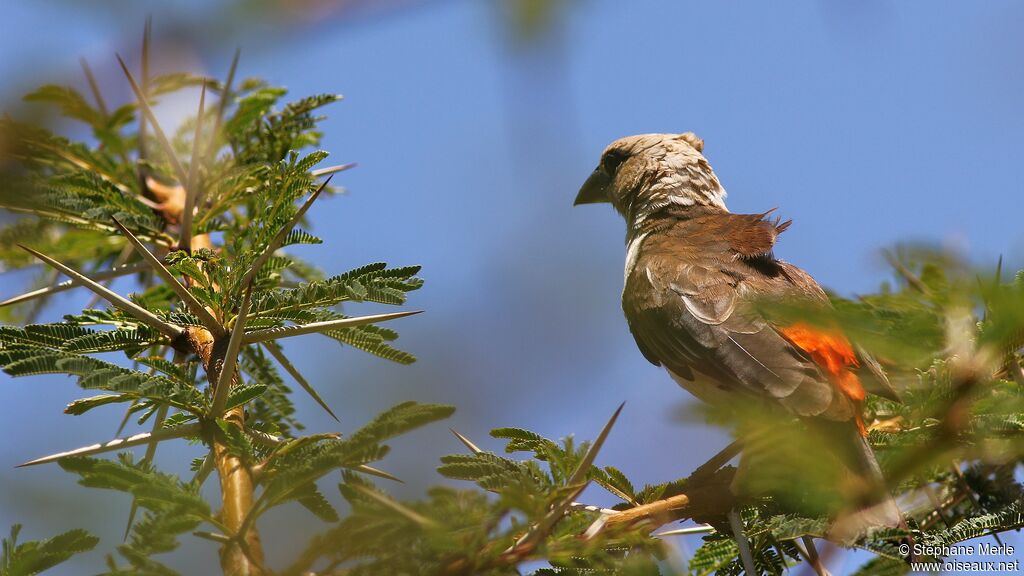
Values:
[(709, 496), (907, 275), (970, 493), (934, 498), (718, 460), (813, 558)]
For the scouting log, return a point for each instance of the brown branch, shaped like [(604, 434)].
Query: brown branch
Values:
[(710, 497), (237, 486), (810, 552), (236, 480)]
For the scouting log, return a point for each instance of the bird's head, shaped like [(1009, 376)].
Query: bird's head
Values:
[(639, 175)]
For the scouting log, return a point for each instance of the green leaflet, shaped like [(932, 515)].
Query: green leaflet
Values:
[(1010, 517), (244, 394), (98, 374), (490, 471), (153, 490), (111, 340), (373, 283), (47, 335), (311, 499), (372, 339), (79, 407), (274, 407), (616, 482), (526, 441), (33, 557), (398, 420), (72, 104), (305, 463), (299, 236)]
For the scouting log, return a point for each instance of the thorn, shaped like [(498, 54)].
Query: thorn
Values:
[(331, 170), (94, 88), (158, 421), (222, 106), (416, 517), (220, 538), (147, 31), (147, 41), (907, 275), (227, 371), (376, 472), (718, 460), (117, 272), (595, 528), (588, 460), (191, 188), (204, 470), (276, 241), (736, 523), (179, 171), (118, 444), (581, 507), (465, 441), (275, 350), (124, 420), (813, 557), (194, 305), (578, 479), (702, 529), (140, 313)]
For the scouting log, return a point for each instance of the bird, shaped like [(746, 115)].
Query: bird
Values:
[(693, 273)]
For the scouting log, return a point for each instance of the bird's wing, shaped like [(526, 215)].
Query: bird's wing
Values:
[(854, 357), (685, 300)]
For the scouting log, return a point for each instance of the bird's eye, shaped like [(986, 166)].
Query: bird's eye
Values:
[(611, 161)]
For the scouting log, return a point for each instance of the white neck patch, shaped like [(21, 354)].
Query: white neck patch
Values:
[(632, 254)]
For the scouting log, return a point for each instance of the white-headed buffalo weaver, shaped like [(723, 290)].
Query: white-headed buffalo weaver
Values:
[(692, 271)]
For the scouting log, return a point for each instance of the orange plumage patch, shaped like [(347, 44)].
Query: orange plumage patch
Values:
[(832, 351)]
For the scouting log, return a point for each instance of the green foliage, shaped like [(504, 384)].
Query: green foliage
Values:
[(949, 338), (29, 558), (293, 467), (246, 165), (273, 409), (171, 506), (455, 531)]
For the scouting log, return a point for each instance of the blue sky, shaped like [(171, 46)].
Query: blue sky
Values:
[(868, 123)]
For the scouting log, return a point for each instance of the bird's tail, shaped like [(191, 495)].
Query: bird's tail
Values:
[(873, 504)]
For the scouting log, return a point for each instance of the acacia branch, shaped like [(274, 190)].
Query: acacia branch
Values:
[(236, 478), (708, 497)]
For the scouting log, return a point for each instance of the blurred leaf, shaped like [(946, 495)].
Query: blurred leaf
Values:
[(33, 557)]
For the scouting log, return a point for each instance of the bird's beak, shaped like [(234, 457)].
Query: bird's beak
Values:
[(595, 189)]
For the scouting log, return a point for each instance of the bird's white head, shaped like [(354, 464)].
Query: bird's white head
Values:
[(643, 174)]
